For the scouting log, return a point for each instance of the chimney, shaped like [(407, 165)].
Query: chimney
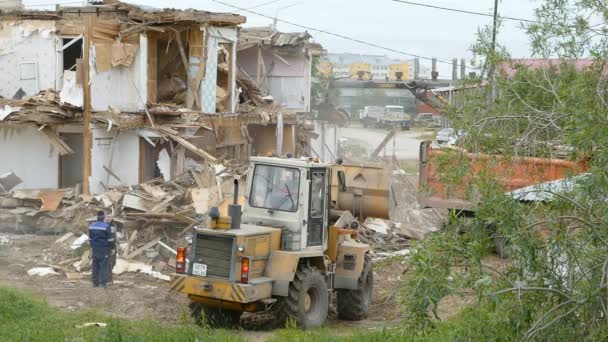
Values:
[(454, 69), (434, 73), (463, 67), (416, 68)]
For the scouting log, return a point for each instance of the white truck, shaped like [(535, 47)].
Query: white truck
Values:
[(390, 116)]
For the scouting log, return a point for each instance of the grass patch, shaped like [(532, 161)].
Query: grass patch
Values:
[(25, 317)]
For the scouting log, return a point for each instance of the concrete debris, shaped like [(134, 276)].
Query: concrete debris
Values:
[(4, 240), (64, 237), (377, 225), (123, 266), (42, 271), (8, 181), (382, 235), (79, 241)]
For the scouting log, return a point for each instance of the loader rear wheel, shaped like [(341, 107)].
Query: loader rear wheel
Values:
[(353, 305), (214, 317), (307, 303)]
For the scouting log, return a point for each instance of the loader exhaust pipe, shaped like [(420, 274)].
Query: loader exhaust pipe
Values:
[(234, 209)]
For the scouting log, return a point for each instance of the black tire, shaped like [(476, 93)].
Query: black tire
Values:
[(214, 317), (353, 305), (306, 312)]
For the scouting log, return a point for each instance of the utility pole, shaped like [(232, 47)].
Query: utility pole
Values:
[(86, 108), (493, 54)]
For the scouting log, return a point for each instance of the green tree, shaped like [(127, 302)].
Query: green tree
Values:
[(556, 286)]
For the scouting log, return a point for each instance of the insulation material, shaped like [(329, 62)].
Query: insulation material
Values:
[(164, 164), (71, 92)]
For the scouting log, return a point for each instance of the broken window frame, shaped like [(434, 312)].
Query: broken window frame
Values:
[(59, 57)]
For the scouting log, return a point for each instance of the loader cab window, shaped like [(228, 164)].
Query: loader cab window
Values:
[(275, 188), (318, 207)]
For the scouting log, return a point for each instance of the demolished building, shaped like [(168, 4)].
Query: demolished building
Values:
[(281, 64), (115, 95)]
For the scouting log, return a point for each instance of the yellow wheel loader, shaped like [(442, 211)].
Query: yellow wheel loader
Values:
[(280, 253)]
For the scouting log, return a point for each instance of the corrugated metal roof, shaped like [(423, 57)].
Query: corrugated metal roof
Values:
[(544, 192), (269, 37)]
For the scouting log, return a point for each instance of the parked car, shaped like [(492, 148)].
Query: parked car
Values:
[(445, 134)]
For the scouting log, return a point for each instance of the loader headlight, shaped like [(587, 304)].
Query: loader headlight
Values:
[(241, 248)]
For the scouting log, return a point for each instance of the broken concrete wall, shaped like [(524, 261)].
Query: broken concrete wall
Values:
[(121, 87), (27, 152), (27, 56), (208, 92), (325, 145), (118, 152)]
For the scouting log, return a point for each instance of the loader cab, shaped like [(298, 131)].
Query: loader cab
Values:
[(290, 194)]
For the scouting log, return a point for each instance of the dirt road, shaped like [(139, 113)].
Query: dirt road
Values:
[(407, 143)]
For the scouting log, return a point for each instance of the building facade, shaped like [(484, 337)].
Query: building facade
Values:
[(112, 94), (370, 67)]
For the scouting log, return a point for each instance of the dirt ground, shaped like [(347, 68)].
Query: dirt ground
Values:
[(406, 147), (134, 295)]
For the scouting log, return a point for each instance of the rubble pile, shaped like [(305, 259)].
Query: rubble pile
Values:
[(42, 108), (152, 218)]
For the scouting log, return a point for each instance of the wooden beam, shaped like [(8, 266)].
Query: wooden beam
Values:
[(173, 134), (86, 104), (258, 75), (383, 143)]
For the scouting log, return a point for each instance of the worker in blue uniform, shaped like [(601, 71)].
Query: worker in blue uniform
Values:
[(102, 243)]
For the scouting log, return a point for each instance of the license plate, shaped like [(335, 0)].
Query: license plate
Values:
[(199, 269)]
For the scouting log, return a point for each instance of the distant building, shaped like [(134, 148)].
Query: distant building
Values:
[(370, 67)]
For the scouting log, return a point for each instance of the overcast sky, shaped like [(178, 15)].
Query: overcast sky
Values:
[(412, 29)]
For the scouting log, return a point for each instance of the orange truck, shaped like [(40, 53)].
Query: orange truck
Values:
[(512, 173)]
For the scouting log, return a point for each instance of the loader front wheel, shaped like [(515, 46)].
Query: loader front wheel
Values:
[(307, 303), (353, 305), (214, 317)]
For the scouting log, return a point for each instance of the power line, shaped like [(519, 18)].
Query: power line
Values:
[(262, 4), (336, 34), (463, 11)]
